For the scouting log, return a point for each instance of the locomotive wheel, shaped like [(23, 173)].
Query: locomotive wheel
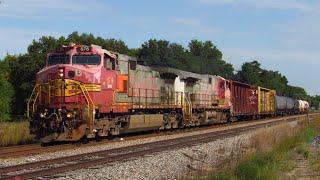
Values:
[(98, 138), (231, 120), (110, 137), (84, 140)]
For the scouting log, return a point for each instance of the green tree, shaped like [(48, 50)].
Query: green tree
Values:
[(198, 59), (155, 52), (205, 49), (196, 47), (22, 77), (250, 73), (274, 80), (6, 92), (116, 46), (297, 92)]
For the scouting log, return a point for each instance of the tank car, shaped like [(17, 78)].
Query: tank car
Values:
[(303, 106), (286, 105)]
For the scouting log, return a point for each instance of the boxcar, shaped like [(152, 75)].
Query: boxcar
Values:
[(266, 101), (244, 99)]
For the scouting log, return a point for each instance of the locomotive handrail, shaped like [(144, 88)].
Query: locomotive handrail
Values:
[(141, 96), (89, 102), (34, 101), (187, 108)]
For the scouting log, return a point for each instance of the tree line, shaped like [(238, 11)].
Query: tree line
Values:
[(17, 72)]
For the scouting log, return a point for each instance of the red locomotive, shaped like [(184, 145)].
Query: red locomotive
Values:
[(87, 92)]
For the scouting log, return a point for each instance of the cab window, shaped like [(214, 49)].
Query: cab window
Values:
[(58, 59), (86, 59), (109, 63)]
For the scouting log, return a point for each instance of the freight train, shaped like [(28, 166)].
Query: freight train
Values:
[(89, 92)]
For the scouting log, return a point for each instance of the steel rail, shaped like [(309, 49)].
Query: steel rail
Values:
[(124, 153)]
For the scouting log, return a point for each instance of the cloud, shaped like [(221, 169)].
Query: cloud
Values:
[(274, 4), (16, 41)]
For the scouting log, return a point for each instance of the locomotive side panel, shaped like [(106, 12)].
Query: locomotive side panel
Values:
[(204, 91), (222, 92), (144, 87)]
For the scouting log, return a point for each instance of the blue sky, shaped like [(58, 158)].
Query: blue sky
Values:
[(282, 34)]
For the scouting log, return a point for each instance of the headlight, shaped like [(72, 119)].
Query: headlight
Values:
[(42, 115), (61, 73), (69, 115)]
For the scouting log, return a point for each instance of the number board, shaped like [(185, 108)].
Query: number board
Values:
[(84, 49)]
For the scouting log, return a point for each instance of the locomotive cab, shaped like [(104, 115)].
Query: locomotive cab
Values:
[(70, 91)]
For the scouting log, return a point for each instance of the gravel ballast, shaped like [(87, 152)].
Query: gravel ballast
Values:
[(164, 165)]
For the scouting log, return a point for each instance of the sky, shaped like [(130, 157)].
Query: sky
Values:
[(282, 34)]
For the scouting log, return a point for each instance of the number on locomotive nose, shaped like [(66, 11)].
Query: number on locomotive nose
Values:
[(85, 48)]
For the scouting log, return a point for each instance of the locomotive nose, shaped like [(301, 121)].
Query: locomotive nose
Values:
[(68, 72)]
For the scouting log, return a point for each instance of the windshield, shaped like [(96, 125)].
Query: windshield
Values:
[(86, 59), (58, 59)]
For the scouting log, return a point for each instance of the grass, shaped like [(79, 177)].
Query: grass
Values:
[(14, 133), (316, 163), (266, 164), (302, 150)]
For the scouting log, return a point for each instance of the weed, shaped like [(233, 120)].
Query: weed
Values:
[(14, 133), (303, 151)]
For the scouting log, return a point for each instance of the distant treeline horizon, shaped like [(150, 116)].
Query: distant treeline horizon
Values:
[(18, 72)]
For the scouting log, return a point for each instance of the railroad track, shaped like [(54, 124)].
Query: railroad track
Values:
[(32, 149), (48, 168)]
